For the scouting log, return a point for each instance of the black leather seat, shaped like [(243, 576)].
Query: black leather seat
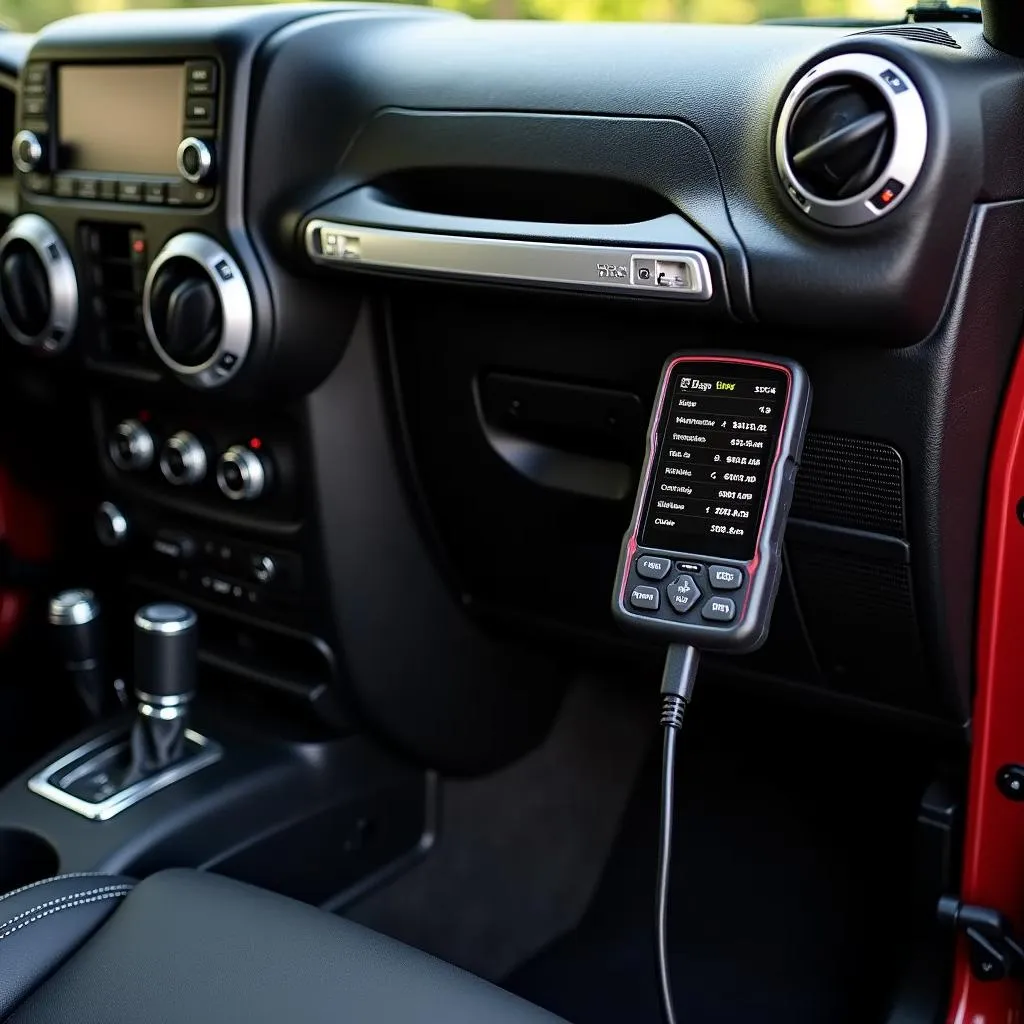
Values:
[(183, 946)]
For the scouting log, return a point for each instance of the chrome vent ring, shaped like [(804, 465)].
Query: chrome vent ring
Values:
[(851, 139)]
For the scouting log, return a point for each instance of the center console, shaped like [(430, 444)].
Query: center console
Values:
[(131, 263), (222, 406), (131, 276)]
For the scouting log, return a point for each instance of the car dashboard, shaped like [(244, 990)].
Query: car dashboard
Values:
[(435, 265)]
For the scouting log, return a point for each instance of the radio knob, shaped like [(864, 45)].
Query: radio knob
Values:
[(27, 150), (183, 459), (111, 525), (241, 474), (131, 446), (195, 160)]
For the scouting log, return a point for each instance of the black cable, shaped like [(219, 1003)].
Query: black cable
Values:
[(677, 689)]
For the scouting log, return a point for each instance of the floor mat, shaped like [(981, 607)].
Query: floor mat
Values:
[(791, 889), (521, 852)]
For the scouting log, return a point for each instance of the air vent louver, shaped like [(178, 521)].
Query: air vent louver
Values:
[(840, 138), (851, 139)]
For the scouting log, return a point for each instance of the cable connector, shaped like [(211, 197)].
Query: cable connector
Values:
[(677, 683)]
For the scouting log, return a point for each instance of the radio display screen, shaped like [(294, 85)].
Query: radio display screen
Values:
[(122, 119), (718, 435)]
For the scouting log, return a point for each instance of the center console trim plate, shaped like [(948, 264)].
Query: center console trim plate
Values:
[(208, 753)]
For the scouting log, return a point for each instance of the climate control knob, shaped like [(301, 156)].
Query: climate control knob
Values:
[(183, 459), (38, 287), (241, 474), (131, 446), (111, 525), (197, 310)]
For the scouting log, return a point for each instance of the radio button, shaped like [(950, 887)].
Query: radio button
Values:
[(725, 577), (647, 599), (130, 192), (201, 76), (719, 609), (653, 567), (683, 594), (200, 110), (86, 188), (34, 106), (41, 183), (183, 194)]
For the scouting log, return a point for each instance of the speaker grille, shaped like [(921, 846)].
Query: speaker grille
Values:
[(851, 482), (860, 616)]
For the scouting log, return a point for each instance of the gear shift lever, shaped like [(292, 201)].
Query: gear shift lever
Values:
[(75, 614), (166, 652)]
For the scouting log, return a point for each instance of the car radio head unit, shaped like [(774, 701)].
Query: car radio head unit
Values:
[(701, 561), (159, 149), (142, 139)]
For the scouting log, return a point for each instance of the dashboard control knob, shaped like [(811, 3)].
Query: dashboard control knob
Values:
[(264, 568), (38, 287), (183, 459), (195, 160), (27, 151), (197, 310), (241, 474), (131, 446), (111, 525)]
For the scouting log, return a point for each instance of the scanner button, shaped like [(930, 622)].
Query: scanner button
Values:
[(653, 567), (647, 599), (719, 609), (725, 577), (683, 593)]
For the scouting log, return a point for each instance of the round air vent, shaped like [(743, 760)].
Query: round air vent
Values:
[(851, 139)]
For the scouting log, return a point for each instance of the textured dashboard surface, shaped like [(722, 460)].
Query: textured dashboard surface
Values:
[(888, 281)]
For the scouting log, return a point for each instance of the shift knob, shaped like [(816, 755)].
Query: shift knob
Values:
[(75, 616), (166, 652)]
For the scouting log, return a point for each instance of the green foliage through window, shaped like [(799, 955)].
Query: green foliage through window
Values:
[(31, 15)]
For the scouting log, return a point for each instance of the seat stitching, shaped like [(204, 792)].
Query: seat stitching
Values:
[(66, 906), (54, 878), (64, 899)]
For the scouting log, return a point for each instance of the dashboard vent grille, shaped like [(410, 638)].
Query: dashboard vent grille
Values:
[(115, 284), (919, 33), (855, 607), (851, 482), (840, 137)]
